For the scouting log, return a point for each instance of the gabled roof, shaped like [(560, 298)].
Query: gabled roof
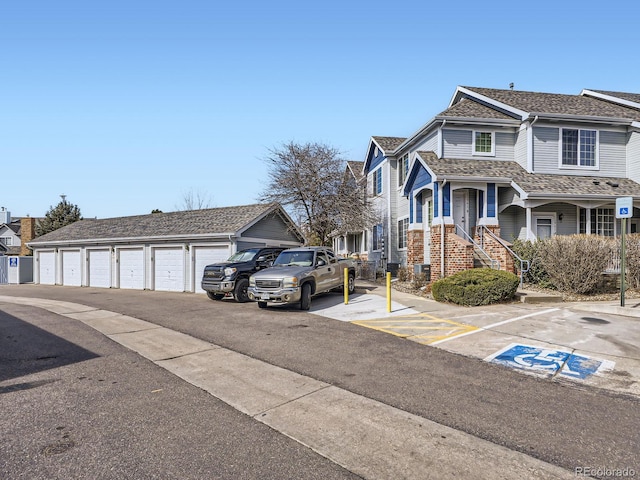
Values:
[(532, 184), (529, 104), (623, 98), (356, 170), (209, 222), (469, 108), (388, 144)]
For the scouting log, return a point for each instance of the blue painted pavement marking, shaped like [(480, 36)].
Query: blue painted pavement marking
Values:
[(549, 361)]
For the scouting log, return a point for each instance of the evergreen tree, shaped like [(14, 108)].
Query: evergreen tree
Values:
[(62, 214)]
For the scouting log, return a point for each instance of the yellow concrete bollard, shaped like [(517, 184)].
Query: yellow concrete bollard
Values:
[(346, 285), (388, 292)]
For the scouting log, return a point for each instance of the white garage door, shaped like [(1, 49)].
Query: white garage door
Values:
[(169, 269), (47, 265), (205, 256), (131, 271), (71, 268), (99, 268)]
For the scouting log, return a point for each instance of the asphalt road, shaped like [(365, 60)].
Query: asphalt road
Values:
[(172, 424)]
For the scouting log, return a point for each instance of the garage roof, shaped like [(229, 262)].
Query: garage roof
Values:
[(210, 222)]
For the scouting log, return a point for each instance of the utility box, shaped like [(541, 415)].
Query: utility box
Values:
[(393, 268), (19, 269), (422, 268)]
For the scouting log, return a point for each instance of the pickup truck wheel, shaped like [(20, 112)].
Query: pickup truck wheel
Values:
[(215, 296), (262, 304), (305, 297), (351, 286), (240, 291)]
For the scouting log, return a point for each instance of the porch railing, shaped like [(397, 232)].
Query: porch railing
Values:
[(495, 264), (614, 262), (524, 264)]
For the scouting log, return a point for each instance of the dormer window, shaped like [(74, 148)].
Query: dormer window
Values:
[(484, 143), (579, 148)]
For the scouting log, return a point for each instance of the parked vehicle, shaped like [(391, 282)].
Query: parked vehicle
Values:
[(298, 274), (232, 277)]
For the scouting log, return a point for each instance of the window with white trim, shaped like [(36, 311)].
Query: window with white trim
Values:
[(8, 241), (579, 147), (484, 143), (378, 243), (403, 169), (602, 221), (403, 227), (377, 182)]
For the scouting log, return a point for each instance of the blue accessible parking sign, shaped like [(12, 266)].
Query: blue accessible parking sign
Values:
[(549, 362)]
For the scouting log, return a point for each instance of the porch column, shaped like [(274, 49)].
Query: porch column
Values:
[(530, 235)]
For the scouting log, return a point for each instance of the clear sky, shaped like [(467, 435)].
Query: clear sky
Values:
[(125, 106)]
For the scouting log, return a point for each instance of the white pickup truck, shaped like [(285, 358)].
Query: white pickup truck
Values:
[(300, 273)]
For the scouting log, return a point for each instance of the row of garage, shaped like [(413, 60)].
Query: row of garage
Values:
[(165, 268), (159, 251)]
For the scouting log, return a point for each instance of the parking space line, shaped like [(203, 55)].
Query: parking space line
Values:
[(497, 324), (415, 326)]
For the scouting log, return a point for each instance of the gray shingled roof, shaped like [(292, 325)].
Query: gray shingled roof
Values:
[(356, 169), (534, 184), (559, 104), (209, 221), (469, 108), (631, 97), (388, 144)]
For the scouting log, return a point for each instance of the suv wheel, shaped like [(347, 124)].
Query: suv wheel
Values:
[(240, 291)]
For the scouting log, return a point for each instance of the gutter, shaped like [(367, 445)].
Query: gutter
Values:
[(127, 239)]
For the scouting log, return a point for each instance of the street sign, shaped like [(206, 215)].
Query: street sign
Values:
[(549, 361), (624, 207)]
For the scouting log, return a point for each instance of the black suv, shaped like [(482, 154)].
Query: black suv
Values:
[(232, 276)]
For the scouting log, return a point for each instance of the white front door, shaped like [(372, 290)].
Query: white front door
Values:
[(461, 209), (544, 225), (427, 218)]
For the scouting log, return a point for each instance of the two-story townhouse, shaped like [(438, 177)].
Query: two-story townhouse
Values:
[(497, 165), (15, 233)]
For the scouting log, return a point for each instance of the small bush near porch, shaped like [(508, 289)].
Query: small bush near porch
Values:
[(479, 286)]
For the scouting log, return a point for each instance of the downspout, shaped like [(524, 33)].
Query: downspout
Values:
[(441, 143), (442, 235), (530, 145)]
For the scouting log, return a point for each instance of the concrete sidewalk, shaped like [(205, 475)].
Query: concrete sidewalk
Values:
[(342, 426)]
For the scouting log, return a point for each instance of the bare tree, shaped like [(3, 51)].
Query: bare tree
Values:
[(194, 200), (308, 179)]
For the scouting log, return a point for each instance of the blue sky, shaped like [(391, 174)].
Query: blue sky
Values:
[(126, 106)]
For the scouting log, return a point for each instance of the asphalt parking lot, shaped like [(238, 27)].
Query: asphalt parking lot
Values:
[(284, 367), (591, 343)]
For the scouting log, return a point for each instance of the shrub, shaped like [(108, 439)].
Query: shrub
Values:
[(632, 264), (419, 281), (530, 250), (404, 274), (479, 286), (575, 263)]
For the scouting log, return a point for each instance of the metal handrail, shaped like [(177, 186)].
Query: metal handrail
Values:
[(523, 270), (495, 264)]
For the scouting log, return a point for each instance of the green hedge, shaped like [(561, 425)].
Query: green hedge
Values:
[(479, 286)]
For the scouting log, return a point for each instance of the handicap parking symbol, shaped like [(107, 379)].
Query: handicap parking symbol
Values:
[(549, 362)]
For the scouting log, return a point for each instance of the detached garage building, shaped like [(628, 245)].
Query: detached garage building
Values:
[(159, 251)]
